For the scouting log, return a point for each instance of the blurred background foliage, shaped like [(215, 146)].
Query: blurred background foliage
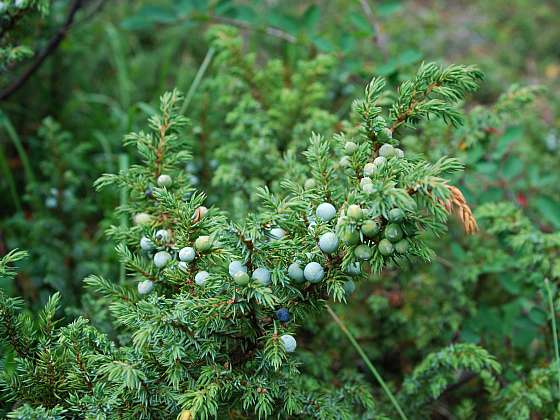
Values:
[(260, 76)]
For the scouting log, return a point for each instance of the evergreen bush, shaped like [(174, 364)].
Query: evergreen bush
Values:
[(228, 343)]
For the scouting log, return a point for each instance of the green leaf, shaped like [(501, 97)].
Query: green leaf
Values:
[(512, 167), (149, 16), (550, 209), (311, 16), (538, 316), (503, 144), (389, 8), (406, 58), (361, 23)]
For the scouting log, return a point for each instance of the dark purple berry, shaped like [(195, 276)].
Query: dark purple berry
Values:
[(283, 315)]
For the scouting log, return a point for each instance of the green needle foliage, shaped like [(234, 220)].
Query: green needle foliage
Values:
[(14, 16), (209, 320), (249, 115), (192, 333)]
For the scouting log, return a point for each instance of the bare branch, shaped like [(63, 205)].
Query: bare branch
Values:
[(378, 36), (51, 46), (269, 30)]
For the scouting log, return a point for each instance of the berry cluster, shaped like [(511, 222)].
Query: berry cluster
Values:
[(161, 247), (238, 271), (368, 232)]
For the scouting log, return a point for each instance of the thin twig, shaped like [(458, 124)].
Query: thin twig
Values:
[(51, 46), (269, 30), (554, 330), (378, 36), (197, 79), (92, 12), (367, 362)]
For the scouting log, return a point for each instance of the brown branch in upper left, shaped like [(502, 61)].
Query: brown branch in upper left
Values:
[(51, 46)]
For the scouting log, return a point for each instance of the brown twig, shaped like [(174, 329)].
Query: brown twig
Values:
[(401, 118), (269, 30), (378, 36), (51, 46)]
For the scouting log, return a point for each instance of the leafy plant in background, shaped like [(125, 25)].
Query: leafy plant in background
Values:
[(497, 291), (11, 15), (56, 223), (478, 291), (224, 299), (249, 116)]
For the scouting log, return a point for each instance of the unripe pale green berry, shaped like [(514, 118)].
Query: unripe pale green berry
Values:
[(262, 275), (288, 342), (161, 259), (146, 244), (325, 211), (365, 180), (203, 243), (368, 188), (235, 267), (313, 272), (164, 180), (241, 278), (142, 219), (145, 287), (162, 235), (351, 237), (349, 287), (402, 246), (328, 242), (354, 212), (296, 273), (393, 232), (354, 268), (396, 215), (370, 228), (187, 254), (399, 153), (309, 183), (183, 266), (379, 161), (50, 202), (277, 233), (350, 147), (344, 162), (387, 151), (201, 277), (385, 247), (385, 134), (369, 169), (363, 252)]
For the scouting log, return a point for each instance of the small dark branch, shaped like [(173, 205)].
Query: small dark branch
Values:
[(464, 379), (10, 23), (417, 97), (92, 12), (379, 38), (50, 48), (160, 150), (269, 30), (82, 367)]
